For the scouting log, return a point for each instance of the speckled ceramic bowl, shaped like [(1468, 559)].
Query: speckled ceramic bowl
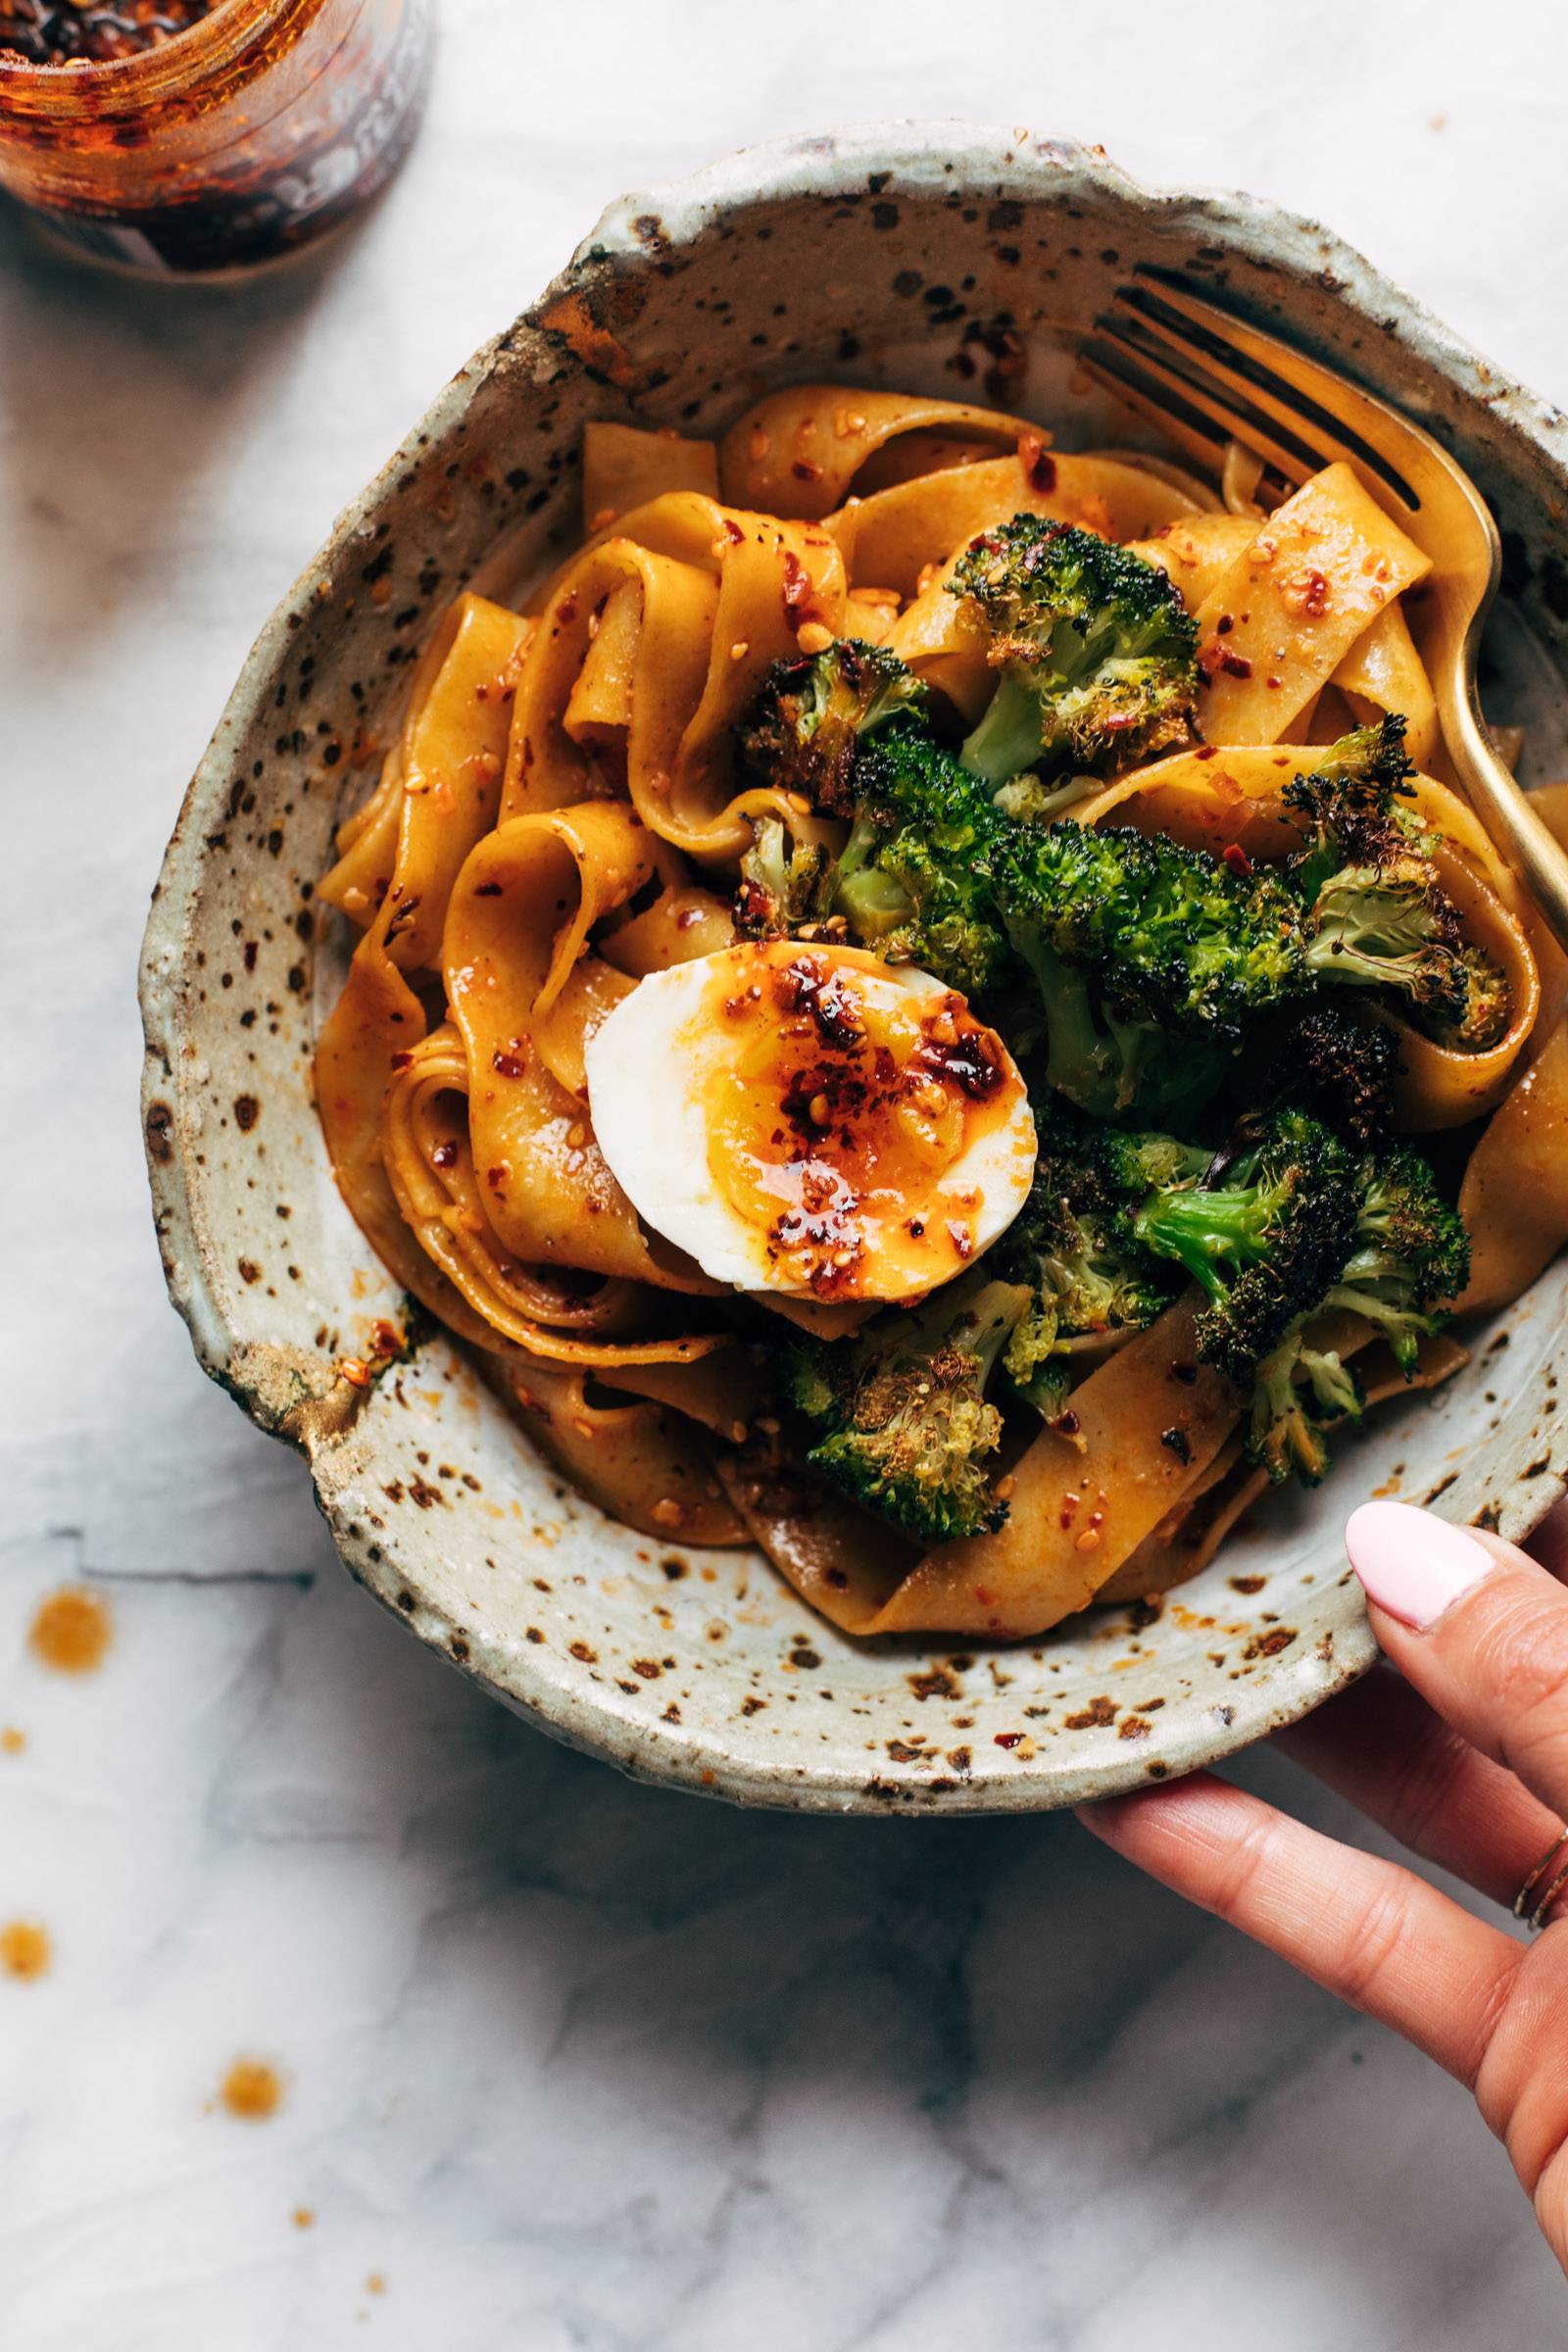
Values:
[(902, 255)]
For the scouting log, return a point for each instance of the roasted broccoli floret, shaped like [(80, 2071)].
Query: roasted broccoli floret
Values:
[(1376, 914), (912, 880), (1409, 1255), (907, 1429), (1340, 1069), (811, 716), (1265, 1230), (1298, 1393), (1094, 649), (781, 882), (1149, 957), (1072, 1244)]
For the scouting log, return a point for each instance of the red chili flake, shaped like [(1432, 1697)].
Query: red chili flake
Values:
[(985, 1597), (487, 890), (1008, 1739), (732, 531), (1068, 1422), (496, 1179), (797, 588), (445, 1155), (1039, 465), (567, 610), (1208, 751), (1224, 625), (806, 470), (1237, 665), (402, 1061), (508, 1065), (1235, 856)]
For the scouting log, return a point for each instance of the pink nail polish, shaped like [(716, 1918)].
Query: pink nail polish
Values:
[(1412, 1564)]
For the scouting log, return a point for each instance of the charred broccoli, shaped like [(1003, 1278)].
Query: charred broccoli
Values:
[(1337, 1067), (907, 1426), (811, 716), (1298, 1393), (912, 880), (1149, 957), (1072, 1244), (1265, 1229), (1409, 1255), (1094, 650), (1376, 914)]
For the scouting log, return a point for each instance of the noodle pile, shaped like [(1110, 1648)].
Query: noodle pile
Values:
[(561, 816)]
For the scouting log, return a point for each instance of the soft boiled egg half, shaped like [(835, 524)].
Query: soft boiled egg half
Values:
[(808, 1121)]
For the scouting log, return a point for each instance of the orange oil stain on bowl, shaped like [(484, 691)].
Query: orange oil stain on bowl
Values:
[(252, 2090), (25, 1950), (70, 1630), (304, 2217), (375, 2285), (12, 1741)]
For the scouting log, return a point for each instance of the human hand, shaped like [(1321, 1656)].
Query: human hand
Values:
[(1465, 1761)]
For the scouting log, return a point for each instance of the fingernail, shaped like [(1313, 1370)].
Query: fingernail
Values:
[(1412, 1564)]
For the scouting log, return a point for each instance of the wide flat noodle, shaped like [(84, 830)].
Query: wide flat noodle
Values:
[(644, 1465), (1384, 673), (428, 1159), (520, 918), (800, 451), (1514, 1197), (445, 785), (697, 601), (894, 536), (1150, 1421), (1280, 620), (623, 468), (1183, 1542), (1196, 552)]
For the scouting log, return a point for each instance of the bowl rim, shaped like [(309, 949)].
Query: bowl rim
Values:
[(918, 157)]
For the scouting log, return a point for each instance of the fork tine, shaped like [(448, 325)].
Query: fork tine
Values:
[(1234, 417), (1111, 368), (1194, 435), (1210, 338)]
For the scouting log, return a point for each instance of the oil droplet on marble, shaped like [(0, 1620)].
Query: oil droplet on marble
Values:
[(71, 1632), (304, 2217), (252, 2090), (12, 1741), (25, 1949), (375, 2285)]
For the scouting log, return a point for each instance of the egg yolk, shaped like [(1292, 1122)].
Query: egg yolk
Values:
[(837, 1115)]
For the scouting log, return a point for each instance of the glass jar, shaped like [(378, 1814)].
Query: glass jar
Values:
[(253, 133)]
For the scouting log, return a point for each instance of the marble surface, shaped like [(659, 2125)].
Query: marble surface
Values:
[(565, 2063)]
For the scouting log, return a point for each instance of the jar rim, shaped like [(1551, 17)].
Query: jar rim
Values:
[(122, 86)]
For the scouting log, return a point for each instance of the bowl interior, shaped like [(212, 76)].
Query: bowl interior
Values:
[(892, 260)]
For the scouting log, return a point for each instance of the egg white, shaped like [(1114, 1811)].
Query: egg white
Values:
[(648, 1065)]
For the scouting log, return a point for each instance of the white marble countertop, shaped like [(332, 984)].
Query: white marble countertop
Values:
[(564, 2062)]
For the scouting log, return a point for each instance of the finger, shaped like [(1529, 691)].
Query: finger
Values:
[(1480, 1629), (1380, 1746), (1366, 1930)]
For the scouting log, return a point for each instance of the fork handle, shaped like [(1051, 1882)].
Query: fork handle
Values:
[(1535, 855)]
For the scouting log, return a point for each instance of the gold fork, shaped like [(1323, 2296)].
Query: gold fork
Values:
[(1204, 378)]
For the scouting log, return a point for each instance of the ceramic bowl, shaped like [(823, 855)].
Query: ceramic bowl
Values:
[(921, 257)]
